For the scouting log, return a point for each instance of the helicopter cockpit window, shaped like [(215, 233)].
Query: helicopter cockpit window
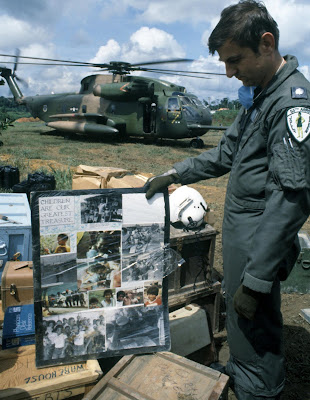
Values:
[(185, 101), (197, 102), (173, 104)]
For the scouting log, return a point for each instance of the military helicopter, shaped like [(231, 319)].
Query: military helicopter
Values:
[(121, 104)]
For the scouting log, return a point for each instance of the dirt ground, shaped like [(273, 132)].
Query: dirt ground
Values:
[(296, 329)]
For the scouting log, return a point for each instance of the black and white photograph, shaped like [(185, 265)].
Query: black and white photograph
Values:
[(149, 211), (99, 245), (131, 327), (101, 209), (141, 239), (144, 267), (73, 335)]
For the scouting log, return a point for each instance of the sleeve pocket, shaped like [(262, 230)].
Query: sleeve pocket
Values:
[(288, 167)]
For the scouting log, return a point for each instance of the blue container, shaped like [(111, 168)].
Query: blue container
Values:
[(15, 238), (18, 326)]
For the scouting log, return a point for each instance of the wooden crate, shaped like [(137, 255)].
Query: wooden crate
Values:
[(160, 376), (192, 282), (21, 380), (197, 249)]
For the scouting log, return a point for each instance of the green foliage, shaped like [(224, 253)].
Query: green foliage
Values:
[(63, 178), (10, 104), (224, 117)]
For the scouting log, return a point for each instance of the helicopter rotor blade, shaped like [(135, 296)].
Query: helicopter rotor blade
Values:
[(179, 71), (49, 59), (176, 60), (17, 54), (16, 62), (53, 64), (175, 74), (101, 65), (116, 67)]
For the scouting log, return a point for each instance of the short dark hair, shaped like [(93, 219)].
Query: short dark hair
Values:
[(243, 23), (121, 293), (62, 236), (153, 290)]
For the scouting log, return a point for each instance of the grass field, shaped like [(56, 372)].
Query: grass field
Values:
[(29, 141)]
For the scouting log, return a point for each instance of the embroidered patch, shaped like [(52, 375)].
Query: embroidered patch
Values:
[(299, 92), (298, 122)]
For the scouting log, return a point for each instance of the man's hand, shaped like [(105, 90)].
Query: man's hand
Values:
[(246, 302), (160, 182)]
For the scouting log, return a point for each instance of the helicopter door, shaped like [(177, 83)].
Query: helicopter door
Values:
[(149, 117)]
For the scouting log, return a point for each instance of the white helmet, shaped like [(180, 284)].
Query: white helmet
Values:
[(188, 206)]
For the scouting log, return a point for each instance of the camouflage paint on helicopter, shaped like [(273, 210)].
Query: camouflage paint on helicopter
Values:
[(132, 106)]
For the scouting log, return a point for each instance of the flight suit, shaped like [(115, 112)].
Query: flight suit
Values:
[(267, 202)]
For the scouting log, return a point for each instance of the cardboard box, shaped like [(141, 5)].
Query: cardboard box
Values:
[(18, 326), (21, 380), (127, 181), (87, 177)]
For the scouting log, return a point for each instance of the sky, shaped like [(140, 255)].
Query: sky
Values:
[(133, 31)]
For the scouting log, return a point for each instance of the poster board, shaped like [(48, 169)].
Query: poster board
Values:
[(98, 261)]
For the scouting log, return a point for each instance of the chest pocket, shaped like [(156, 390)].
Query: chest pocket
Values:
[(288, 168)]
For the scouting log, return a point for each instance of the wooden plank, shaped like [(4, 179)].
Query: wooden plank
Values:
[(305, 313), (191, 365), (187, 295), (159, 376), (19, 374), (14, 394), (127, 390), (115, 371), (220, 388), (191, 235)]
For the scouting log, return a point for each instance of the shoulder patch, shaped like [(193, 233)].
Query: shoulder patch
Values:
[(299, 92), (298, 123)]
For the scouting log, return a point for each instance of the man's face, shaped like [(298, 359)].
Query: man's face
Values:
[(252, 69)]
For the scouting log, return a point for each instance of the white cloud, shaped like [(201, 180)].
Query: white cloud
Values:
[(152, 43), (19, 33), (193, 11), (111, 51), (305, 69), (292, 17), (146, 44)]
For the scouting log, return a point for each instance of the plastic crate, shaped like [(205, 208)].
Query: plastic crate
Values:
[(15, 238)]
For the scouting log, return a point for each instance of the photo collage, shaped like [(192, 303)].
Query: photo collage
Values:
[(100, 290)]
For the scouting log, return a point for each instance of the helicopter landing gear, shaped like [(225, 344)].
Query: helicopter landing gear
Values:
[(196, 143)]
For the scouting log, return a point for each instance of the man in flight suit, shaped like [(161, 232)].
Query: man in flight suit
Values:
[(268, 193)]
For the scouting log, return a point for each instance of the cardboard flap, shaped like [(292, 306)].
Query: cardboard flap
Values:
[(104, 172)]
